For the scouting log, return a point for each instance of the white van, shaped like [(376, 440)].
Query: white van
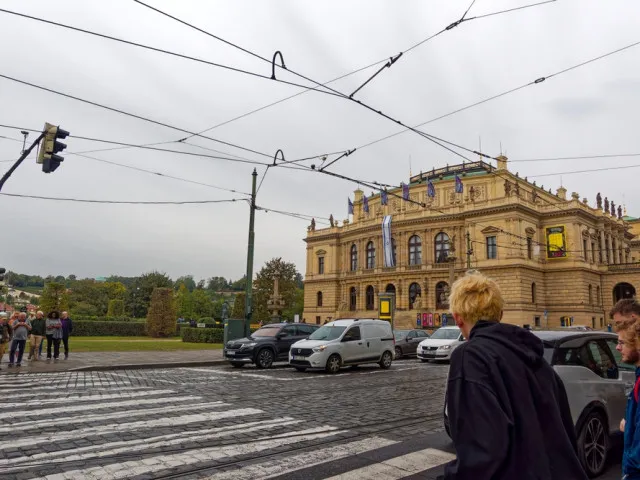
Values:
[(344, 342)]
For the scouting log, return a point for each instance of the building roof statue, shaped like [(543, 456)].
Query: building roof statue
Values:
[(613, 209), (599, 201), (606, 204), (619, 212), (331, 222)]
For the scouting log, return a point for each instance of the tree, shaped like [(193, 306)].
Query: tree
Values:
[(161, 318), (184, 306), (263, 286), (201, 303), (139, 295), (217, 284), (200, 285), (297, 306), (239, 285), (54, 297), (116, 308), (187, 281), (238, 306)]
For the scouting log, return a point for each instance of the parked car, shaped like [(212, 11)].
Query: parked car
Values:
[(345, 342), (597, 385), (266, 345), (407, 341), (440, 344)]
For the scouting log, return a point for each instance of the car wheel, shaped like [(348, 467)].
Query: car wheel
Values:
[(385, 361), (593, 444), (301, 369), (333, 364), (265, 358), (398, 353), (237, 364)]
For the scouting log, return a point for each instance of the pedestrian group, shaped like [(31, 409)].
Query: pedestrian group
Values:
[(18, 329)]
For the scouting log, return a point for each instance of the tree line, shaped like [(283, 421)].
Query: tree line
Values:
[(131, 296)]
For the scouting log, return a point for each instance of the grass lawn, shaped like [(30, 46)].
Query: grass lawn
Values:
[(132, 344)]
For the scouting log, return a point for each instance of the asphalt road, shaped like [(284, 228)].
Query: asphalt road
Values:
[(225, 423)]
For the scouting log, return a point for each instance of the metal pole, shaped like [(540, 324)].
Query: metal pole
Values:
[(248, 301), (468, 251), (24, 155)]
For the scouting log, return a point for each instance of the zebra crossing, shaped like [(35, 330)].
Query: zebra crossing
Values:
[(109, 425)]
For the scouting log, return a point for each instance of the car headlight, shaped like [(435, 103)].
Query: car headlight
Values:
[(320, 348), (444, 347), (247, 345)]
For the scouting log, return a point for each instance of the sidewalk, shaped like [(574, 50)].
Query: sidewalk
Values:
[(87, 361)]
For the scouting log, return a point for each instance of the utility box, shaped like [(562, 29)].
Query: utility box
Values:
[(387, 307), (233, 329)]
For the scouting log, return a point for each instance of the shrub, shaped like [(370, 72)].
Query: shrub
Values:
[(93, 318), (202, 335), (116, 308), (161, 317), (116, 329)]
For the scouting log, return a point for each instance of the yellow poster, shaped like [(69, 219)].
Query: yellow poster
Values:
[(556, 242)]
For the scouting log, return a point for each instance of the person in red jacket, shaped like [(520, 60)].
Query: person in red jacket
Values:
[(508, 410)]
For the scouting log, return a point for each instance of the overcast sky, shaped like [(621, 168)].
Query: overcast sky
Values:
[(588, 111)]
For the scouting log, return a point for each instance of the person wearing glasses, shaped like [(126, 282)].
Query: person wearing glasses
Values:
[(626, 318)]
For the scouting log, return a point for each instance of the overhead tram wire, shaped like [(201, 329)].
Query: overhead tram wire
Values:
[(577, 157), (167, 52), (379, 112), (155, 149), (159, 174), (507, 92), (128, 114), (121, 202)]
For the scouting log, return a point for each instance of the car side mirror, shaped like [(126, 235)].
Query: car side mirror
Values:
[(408, 339)]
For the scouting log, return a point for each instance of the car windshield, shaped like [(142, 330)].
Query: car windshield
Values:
[(446, 334), (327, 333), (400, 334), (266, 332)]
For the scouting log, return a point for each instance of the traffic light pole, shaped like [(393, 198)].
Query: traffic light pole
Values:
[(24, 155), (248, 302)]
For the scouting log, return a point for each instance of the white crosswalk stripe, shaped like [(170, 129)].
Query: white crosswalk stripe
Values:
[(88, 398)]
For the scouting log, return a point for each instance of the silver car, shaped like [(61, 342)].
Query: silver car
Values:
[(597, 385)]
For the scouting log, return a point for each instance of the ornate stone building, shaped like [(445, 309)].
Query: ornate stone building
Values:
[(557, 259)]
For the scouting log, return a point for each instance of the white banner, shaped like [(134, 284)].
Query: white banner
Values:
[(386, 242)]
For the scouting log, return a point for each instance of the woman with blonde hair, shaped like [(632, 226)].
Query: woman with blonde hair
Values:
[(508, 411)]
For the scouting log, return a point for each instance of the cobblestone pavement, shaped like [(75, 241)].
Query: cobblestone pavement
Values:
[(225, 423)]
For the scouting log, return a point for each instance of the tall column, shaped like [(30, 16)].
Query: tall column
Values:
[(602, 254)]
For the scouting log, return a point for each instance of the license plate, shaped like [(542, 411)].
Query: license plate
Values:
[(230, 353), (298, 357)]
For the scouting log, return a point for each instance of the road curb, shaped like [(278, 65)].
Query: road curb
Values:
[(142, 366)]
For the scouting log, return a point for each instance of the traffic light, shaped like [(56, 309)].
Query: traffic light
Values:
[(50, 147), (2, 272)]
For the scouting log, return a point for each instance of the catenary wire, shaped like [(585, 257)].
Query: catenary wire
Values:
[(168, 52), (577, 157), (507, 92), (121, 202), (159, 174), (133, 115)]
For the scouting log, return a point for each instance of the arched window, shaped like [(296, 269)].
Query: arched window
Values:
[(441, 245), (371, 255), (533, 292), (390, 288), (319, 299), (442, 295), (415, 250), (353, 298), (354, 257), (623, 290), (414, 293), (590, 295), (370, 297)]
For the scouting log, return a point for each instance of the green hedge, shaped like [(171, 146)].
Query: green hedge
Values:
[(90, 318), (102, 329), (203, 335)]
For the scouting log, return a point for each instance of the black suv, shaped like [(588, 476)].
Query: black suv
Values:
[(266, 345)]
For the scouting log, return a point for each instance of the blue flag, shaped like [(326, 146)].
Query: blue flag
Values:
[(405, 191), (350, 211), (459, 186), (384, 199), (431, 190), (365, 203)]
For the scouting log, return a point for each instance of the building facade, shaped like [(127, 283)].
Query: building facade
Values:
[(557, 259)]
